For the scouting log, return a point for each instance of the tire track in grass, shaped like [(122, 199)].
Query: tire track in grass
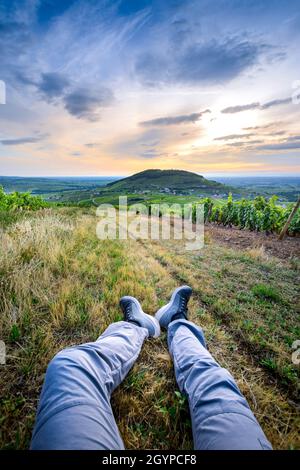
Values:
[(253, 350), (271, 404)]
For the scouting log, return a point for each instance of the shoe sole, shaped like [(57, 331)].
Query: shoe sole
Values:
[(153, 320), (162, 310)]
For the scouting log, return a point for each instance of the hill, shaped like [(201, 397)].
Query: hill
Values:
[(177, 181)]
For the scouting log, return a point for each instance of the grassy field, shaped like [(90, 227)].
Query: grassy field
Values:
[(52, 185), (87, 190), (60, 286)]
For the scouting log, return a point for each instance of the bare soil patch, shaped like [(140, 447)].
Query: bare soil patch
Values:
[(243, 239)]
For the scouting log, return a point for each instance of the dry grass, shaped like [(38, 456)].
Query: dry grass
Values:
[(59, 285), (258, 253)]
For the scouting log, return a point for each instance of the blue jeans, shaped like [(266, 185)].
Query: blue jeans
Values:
[(75, 411)]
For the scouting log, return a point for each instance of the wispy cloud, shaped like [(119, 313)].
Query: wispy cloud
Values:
[(240, 108), (277, 133), (274, 124), (150, 144), (174, 120), (152, 153), (92, 145), (245, 143), (235, 136), (256, 105), (292, 138), (22, 140), (76, 154), (281, 146), (279, 102)]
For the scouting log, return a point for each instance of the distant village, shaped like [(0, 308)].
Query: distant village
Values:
[(187, 192)]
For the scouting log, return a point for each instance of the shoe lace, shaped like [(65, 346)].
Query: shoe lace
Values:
[(129, 315), (128, 312), (183, 305)]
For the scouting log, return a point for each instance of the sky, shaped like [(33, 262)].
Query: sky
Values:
[(116, 87)]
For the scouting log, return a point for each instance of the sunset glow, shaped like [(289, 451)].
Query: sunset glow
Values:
[(104, 88)]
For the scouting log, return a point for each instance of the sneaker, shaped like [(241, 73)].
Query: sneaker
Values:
[(133, 313), (176, 308)]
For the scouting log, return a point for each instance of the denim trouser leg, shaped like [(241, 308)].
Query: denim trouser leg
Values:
[(74, 410), (221, 417)]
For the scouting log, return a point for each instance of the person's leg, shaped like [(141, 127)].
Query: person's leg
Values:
[(221, 417), (74, 410)]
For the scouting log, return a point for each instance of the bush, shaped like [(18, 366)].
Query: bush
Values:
[(20, 201), (259, 215)]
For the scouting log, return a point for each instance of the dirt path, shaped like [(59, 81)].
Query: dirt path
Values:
[(243, 239)]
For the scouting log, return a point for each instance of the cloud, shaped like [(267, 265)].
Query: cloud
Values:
[(235, 136), (264, 126), (239, 108), (271, 104), (14, 36), (67, 53), (245, 143), (276, 133), (281, 146), (74, 46), (236, 144), (53, 85), (23, 140), (216, 61), (256, 105), (150, 144), (81, 102), (193, 62), (290, 143), (293, 138), (140, 143), (174, 120), (84, 103), (92, 145), (152, 153)]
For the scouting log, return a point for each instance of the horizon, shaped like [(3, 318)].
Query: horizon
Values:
[(91, 86), (243, 175)]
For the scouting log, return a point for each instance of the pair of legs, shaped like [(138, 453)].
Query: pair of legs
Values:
[(75, 411)]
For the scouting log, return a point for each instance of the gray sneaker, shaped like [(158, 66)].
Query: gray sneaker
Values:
[(133, 313), (176, 308)]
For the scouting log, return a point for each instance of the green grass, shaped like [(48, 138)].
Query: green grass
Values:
[(60, 286), (256, 299), (134, 198), (265, 292), (9, 217)]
